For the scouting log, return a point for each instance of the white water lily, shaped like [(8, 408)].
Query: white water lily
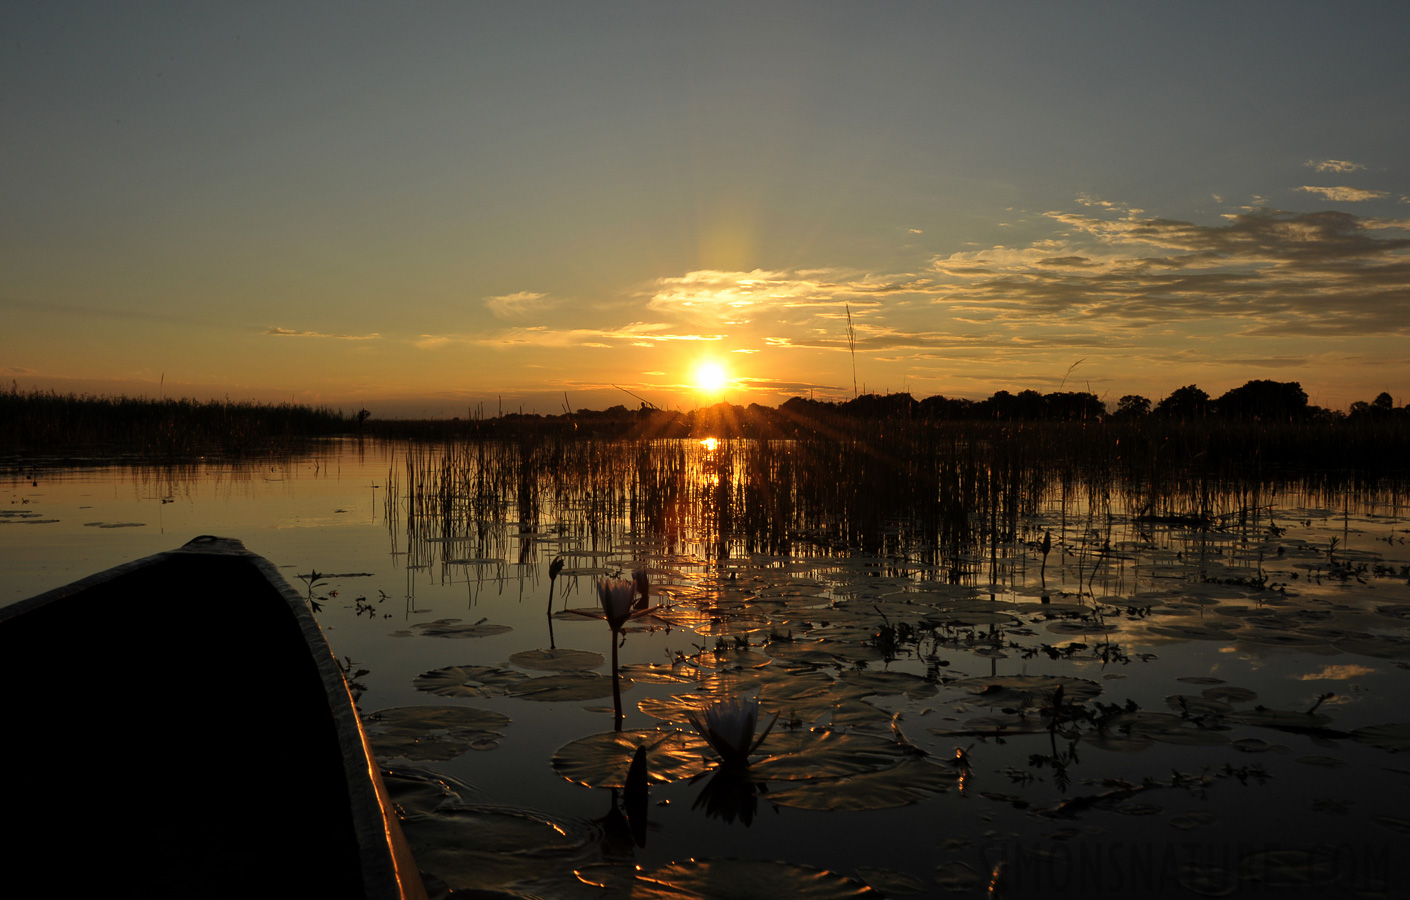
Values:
[(729, 724), (617, 598)]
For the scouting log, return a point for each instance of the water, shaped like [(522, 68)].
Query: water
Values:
[(1235, 790)]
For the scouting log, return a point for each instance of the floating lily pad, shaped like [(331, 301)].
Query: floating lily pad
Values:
[(433, 732), (1166, 728), (468, 681), (994, 726), (1197, 706), (454, 628), (1180, 631), (1394, 737), (560, 660), (602, 760), (802, 755), (1284, 719), (890, 881), (1255, 745), (871, 682), (909, 782), (957, 876), (1190, 820), (745, 879), (566, 686), (1289, 868), (1229, 693), (1379, 646), (1030, 691), (1280, 638), (1329, 762), (481, 848)]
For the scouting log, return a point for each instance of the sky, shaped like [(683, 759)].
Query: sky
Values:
[(461, 208)]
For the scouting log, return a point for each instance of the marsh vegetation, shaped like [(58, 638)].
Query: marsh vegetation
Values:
[(889, 655)]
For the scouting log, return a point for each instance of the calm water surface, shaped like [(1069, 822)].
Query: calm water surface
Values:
[(1215, 642)]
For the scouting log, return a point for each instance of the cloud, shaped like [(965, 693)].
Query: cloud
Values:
[(1261, 272), (636, 334), (1344, 194), (288, 332), (719, 297), (1334, 165), (509, 306)]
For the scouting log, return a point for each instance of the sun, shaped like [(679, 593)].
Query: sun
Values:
[(710, 377)]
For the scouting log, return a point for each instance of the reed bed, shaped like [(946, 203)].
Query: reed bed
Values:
[(936, 496), (38, 423)]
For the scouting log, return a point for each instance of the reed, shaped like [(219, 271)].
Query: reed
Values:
[(946, 497), (48, 423)]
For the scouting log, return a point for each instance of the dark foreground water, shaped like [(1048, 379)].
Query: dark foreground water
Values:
[(1232, 718)]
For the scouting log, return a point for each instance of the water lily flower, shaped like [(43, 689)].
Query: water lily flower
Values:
[(728, 725), (617, 598)]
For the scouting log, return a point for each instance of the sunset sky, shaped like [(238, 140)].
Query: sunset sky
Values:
[(423, 207)]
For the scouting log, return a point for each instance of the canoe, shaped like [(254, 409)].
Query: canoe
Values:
[(178, 726)]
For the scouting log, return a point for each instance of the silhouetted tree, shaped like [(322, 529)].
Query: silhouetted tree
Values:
[(1188, 402), (1262, 399), (1380, 408), (943, 409), (1132, 406), (1073, 406)]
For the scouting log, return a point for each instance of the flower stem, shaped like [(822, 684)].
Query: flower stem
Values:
[(616, 685)]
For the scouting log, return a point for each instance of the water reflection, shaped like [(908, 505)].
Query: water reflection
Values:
[(883, 621)]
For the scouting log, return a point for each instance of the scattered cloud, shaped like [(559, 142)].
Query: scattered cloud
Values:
[(1334, 165), (1343, 194), (520, 303), (289, 332), (637, 334), (718, 297), (1261, 272)]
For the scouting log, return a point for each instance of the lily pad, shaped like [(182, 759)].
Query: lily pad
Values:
[(1394, 737), (566, 686), (468, 681), (1166, 728), (560, 660), (1027, 691), (745, 879), (957, 876), (1289, 867), (602, 760), (1284, 719), (909, 782), (454, 628), (891, 881), (432, 732), (803, 755), (481, 848)]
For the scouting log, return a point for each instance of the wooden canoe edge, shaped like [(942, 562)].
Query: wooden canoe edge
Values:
[(389, 871), (388, 867)]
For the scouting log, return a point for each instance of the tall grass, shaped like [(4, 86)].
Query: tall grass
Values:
[(49, 423), (950, 497)]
